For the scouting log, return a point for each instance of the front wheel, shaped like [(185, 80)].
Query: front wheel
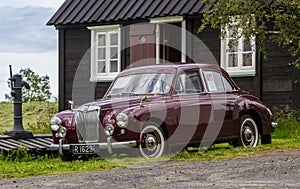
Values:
[(153, 143), (248, 135), (66, 157)]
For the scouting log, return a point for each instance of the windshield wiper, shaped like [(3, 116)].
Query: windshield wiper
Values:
[(128, 94), (121, 94), (114, 95)]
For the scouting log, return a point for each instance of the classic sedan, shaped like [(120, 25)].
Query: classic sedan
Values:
[(152, 109)]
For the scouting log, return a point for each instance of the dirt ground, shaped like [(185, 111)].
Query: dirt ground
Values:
[(277, 169)]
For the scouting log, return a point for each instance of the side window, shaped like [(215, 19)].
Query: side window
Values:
[(214, 81), (227, 85), (188, 82)]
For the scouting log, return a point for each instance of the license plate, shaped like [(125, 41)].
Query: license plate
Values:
[(83, 149)]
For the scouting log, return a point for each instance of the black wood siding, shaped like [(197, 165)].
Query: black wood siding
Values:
[(74, 52), (277, 78)]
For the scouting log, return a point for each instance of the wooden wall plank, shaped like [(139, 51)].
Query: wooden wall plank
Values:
[(77, 63)]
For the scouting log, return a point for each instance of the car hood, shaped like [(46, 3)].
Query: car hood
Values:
[(124, 102)]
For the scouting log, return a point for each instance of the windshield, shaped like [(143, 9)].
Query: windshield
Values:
[(142, 83)]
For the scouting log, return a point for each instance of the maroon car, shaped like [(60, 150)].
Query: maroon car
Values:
[(153, 109)]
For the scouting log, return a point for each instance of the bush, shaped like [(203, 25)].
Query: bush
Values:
[(288, 123)]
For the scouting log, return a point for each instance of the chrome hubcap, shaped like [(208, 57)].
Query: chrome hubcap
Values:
[(249, 136), (150, 143)]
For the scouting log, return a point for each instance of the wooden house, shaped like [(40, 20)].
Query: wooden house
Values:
[(100, 38)]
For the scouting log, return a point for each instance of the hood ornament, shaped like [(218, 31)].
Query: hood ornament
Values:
[(71, 104)]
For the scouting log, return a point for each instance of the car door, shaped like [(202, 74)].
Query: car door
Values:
[(222, 96), (192, 107)]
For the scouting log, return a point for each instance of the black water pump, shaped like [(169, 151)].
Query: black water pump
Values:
[(17, 84)]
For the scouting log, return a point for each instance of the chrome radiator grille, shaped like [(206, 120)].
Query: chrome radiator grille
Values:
[(87, 123)]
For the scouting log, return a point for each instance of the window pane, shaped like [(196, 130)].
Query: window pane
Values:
[(101, 53), (114, 39), (247, 46), (188, 82), (228, 87), (114, 52), (101, 40), (101, 66), (233, 31), (232, 60), (113, 66), (192, 82), (247, 59), (232, 46), (214, 81)]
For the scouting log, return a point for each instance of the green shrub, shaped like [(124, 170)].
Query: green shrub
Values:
[(288, 123)]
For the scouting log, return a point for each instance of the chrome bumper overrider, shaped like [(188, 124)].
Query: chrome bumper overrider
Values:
[(109, 146)]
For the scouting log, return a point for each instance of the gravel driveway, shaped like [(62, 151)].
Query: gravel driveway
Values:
[(277, 169)]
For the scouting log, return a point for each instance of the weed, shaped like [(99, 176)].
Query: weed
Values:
[(19, 155)]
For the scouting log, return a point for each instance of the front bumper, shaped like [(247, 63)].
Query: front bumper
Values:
[(109, 146)]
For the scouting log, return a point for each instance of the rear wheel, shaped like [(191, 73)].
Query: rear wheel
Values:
[(248, 135), (266, 139), (153, 142)]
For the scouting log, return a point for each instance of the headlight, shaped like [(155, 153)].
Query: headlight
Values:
[(122, 120), (54, 128), (109, 130), (55, 123)]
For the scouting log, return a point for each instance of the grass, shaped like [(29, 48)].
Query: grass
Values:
[(45, 165), (37, 115)]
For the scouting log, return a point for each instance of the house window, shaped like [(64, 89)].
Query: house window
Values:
[(238, 58), (105, 53)]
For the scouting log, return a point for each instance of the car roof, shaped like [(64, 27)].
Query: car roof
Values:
[(169, 67)]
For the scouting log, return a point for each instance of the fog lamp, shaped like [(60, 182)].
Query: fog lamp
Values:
[(109, 130), (61, 133)]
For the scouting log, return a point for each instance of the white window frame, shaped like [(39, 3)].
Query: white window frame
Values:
[(166, 20), (240, 70), (107, 31)]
